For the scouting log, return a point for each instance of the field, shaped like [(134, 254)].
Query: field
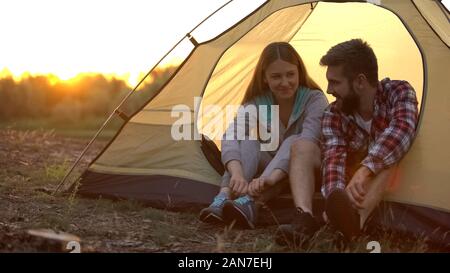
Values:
[(33, 163)]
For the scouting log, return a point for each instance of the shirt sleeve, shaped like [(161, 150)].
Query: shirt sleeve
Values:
[(334, 152), (393, 143)]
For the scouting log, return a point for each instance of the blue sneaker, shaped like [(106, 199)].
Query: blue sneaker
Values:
[(214, 213), (242, 210)]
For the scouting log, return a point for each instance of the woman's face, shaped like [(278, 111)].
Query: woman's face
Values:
[(282, 79)]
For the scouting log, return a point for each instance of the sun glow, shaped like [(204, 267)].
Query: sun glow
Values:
[(121, 39)]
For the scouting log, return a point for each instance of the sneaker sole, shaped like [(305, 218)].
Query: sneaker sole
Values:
[(211, 218), (232, 213), (338, 208)]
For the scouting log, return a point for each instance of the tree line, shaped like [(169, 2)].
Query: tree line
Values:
[(87, 97)]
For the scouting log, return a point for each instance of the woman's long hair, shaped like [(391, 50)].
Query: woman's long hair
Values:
[(274, 51)]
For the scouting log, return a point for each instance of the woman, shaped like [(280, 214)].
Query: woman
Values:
[(280, 79)]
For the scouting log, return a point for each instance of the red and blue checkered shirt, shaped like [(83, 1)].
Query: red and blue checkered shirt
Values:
[(392, 131)]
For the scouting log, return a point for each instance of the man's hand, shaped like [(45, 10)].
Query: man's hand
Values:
[(238, 185), (358, 185)]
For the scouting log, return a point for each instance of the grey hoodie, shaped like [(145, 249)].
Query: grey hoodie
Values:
[(304, 123)]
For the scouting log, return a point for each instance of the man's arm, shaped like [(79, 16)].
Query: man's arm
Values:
[(335, 153), (396, 139)]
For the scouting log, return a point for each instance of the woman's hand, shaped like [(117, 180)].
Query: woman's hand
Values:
[(238, 185), (258, 185)]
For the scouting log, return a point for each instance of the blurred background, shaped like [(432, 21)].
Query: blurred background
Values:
[(66, 65)]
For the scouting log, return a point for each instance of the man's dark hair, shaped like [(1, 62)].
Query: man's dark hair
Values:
[(356, 56)]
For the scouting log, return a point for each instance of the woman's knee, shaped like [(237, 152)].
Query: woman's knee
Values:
[(306, 149)]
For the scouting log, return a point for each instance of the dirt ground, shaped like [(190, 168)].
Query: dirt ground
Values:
[(32, 164)]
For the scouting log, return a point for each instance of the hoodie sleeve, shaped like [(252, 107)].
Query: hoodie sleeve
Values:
[(314, 109), (311, 130)]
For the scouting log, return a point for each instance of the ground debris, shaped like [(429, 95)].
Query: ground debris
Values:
[(52, 241)]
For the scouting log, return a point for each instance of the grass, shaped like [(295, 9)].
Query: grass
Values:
[(56, 172), (153, 214), (84, 129), (123, 226)]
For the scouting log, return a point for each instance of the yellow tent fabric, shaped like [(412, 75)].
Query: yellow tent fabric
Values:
[(433, 13), (423, 175), (411, 43), (329, 24)]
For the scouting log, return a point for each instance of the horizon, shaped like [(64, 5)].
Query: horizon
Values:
[(67, 48), (112, 38)]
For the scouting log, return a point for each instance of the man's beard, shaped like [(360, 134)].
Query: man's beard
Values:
[(350, 103)]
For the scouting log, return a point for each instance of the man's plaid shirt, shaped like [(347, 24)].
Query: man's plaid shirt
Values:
[(393, 129)]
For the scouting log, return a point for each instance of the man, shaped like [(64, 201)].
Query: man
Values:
[(365, 132)]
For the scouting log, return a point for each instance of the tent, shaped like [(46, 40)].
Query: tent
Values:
[(411, 39)]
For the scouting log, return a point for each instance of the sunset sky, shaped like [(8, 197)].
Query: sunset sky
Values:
[(123, 37)]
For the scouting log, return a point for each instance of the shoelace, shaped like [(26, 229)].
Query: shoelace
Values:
[(242, 200), (218, 201)]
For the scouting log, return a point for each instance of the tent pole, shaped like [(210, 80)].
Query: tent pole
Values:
[(117, 111)]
